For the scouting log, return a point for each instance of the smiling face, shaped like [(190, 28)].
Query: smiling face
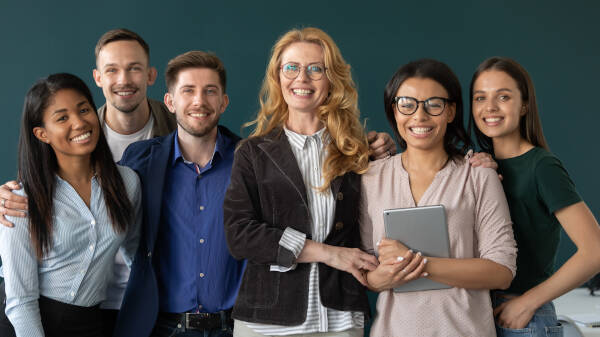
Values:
[(421, 130), (497, 104), (303, 95), (197, 100), (123, 74), (70, 125)]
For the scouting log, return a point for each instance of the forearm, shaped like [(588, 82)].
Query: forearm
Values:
[(473, 273), (578, 269)]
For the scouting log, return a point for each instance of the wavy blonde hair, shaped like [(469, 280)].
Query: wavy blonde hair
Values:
[(348, 150)]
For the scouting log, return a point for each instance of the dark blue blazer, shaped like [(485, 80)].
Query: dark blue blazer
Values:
[(149, 158)]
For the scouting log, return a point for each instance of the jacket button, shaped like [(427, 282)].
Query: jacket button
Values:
[(339, 225), (340, 196), (149, 254)]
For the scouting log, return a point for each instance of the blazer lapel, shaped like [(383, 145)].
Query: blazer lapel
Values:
[(159, 159), (280, 153)]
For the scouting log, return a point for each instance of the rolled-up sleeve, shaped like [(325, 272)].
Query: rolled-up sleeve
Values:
[(248, 235)]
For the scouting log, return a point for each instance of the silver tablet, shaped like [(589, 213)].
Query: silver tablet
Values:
[(422, 229)]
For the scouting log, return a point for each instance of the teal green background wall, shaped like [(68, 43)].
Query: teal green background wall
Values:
[(556, 41)]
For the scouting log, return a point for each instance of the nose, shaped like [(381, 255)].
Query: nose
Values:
[(420, 114), (491, 105), (302, 75), (123, 77), (199, 98), (77, 121)]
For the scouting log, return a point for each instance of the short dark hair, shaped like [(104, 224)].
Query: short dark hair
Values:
[(530, 125), (120, 34), (194, 59), (456, 141), (38, 164)]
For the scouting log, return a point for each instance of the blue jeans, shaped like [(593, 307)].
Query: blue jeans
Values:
[(542, 324), (169, 328)]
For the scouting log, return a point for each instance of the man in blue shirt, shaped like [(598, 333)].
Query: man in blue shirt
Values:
[(183, 280)]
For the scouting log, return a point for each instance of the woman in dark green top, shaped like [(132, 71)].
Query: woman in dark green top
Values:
[(541, 197)]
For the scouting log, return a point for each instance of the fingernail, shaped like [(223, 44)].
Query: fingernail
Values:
[(399, 258), (425, 274), (424, 260), (411, 251), (419, 253)]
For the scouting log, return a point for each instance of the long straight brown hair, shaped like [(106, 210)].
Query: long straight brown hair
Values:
[(530, 125), (38, 164)]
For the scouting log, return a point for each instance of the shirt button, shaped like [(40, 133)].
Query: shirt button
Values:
[(72, 294), (201, 240), (201, 274), (149, 254), (93, 222), (201, 208), (178, 325), (82, 272), (91, 247), (340, 196)]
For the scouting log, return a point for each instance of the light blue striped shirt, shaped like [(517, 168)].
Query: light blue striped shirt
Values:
[(78, 265)]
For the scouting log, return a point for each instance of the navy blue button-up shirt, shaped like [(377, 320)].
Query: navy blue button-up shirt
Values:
[(196, 272)]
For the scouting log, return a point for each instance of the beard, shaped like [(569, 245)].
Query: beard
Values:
[(199, 130)]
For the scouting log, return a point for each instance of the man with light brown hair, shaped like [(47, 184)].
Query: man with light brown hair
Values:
[(183, 279)]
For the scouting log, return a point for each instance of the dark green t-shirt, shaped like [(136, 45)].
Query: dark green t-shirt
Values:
[(536, 185)]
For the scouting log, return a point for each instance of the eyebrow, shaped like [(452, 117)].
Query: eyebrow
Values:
[(65, 110), (499, 90), (115, 64)]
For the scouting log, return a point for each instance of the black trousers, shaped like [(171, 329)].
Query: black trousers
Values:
[(59, 319)]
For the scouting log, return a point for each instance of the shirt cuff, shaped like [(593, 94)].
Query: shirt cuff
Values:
[(291, 244), (293, 241)]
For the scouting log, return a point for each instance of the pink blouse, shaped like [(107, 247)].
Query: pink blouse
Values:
[(479, 226)]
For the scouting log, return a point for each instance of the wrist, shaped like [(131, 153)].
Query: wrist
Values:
[(531, 301)]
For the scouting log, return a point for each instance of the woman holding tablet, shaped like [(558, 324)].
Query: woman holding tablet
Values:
[(423, 104), (81, 209), (541, 196)]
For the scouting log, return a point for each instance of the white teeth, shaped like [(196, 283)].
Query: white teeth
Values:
[(302, 91), (124, 93), (492, 119), (82, 137), (420, 131), (199, 115)]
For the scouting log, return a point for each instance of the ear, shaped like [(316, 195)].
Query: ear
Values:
[(40, 133), (225, 103), (97, 77), (451, 112), (523, 110), (169, 102), (152, 73)]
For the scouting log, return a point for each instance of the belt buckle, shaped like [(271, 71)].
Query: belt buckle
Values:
[(194, 321)]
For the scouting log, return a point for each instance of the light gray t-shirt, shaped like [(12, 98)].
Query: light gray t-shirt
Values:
[(119, 142)]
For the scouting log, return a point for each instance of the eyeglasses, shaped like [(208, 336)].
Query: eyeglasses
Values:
[(314, 71), (434, 106)]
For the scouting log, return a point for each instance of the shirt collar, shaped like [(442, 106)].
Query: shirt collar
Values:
[(219, 146), (299, 141)]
